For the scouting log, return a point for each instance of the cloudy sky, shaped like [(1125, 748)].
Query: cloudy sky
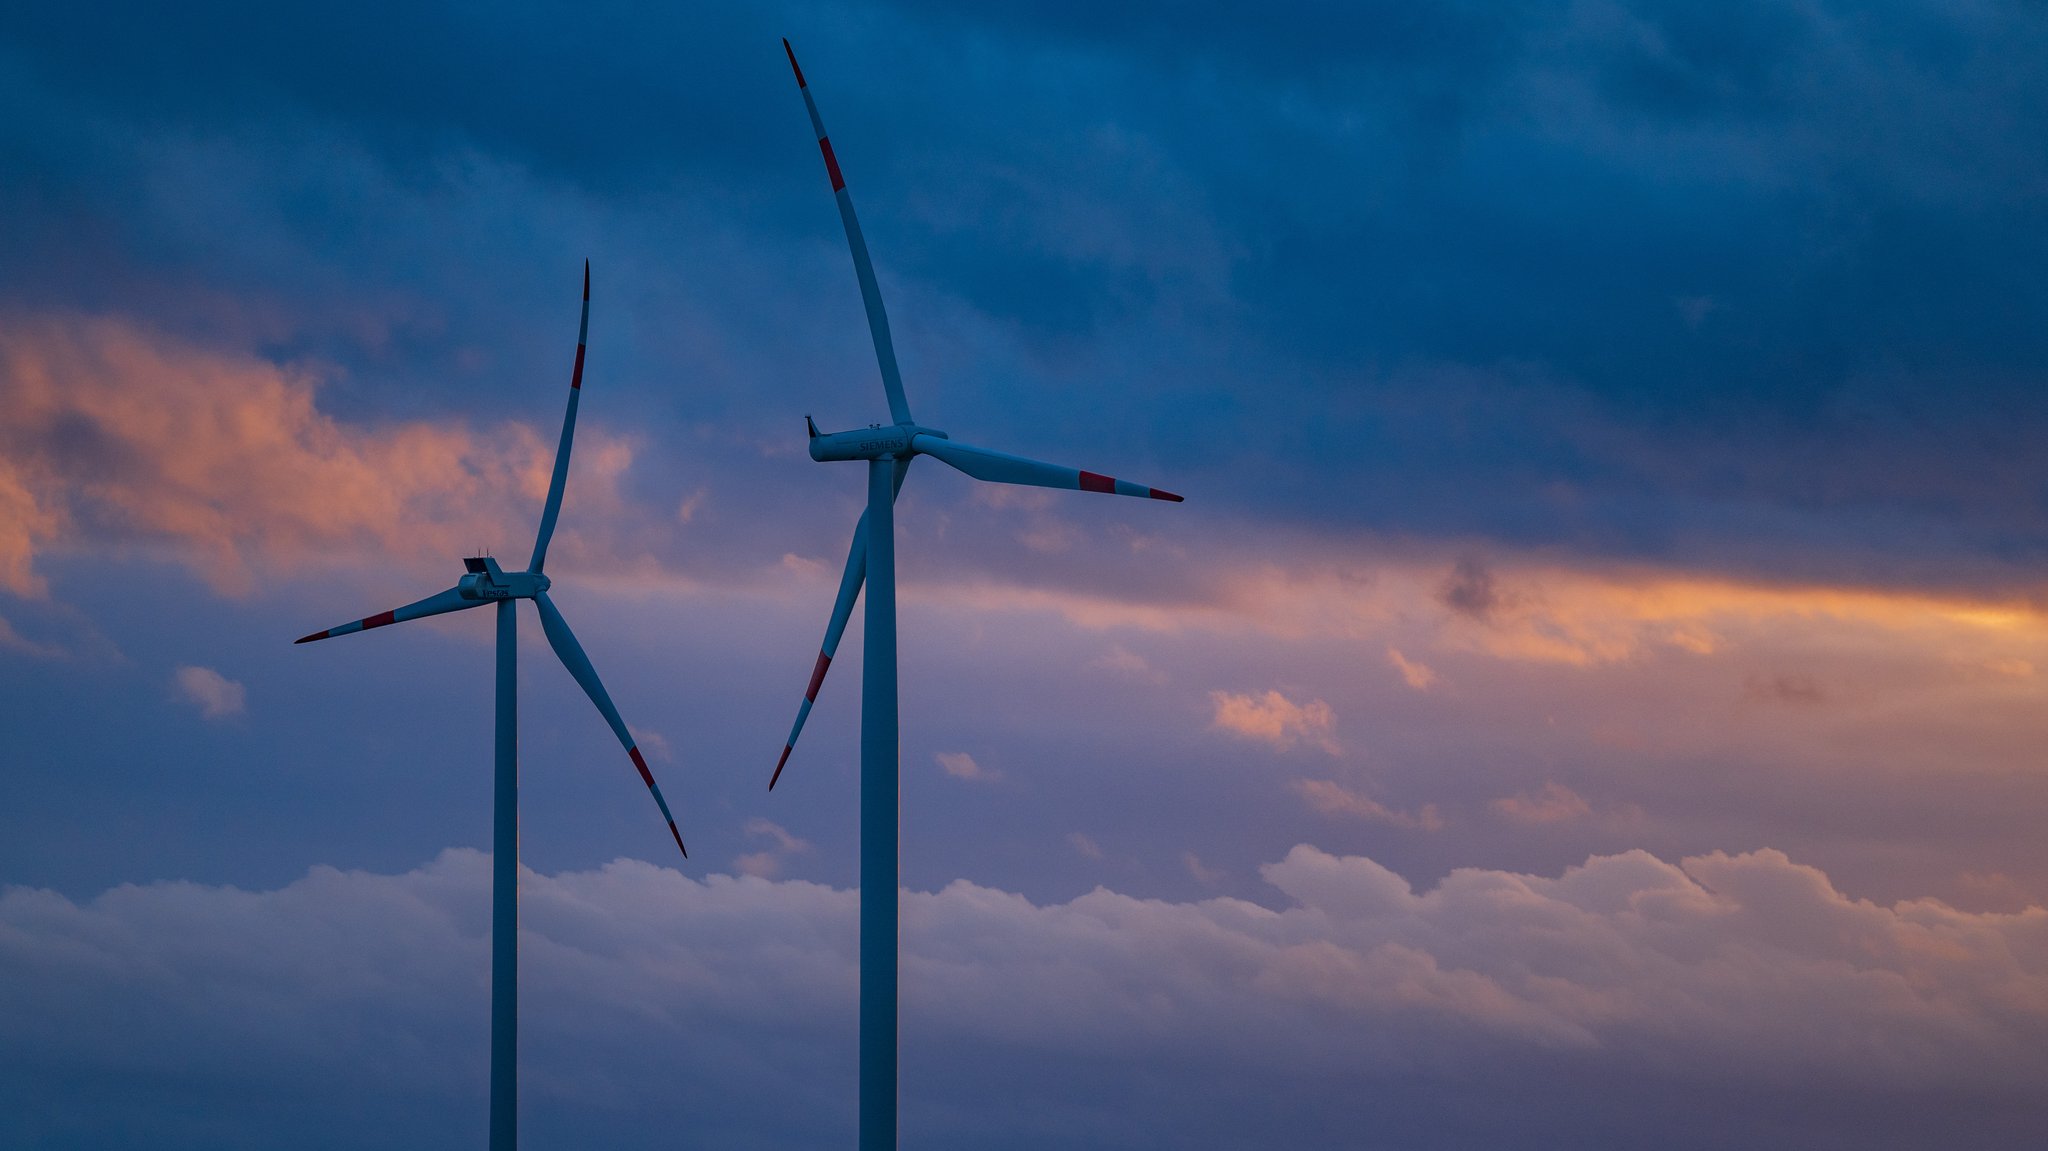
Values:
[(1589, 697)]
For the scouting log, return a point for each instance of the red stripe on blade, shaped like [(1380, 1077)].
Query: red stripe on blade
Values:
[(1159, 495), (679, 839), (817, 677), (1091, 482), (311, 638), (831, 163), (576, 377), (792, 62), (586, 281), (380, 619), (645, 777), (786, 749)]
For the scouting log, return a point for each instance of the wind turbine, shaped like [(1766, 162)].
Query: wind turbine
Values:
[(888, 450), (486, 583)]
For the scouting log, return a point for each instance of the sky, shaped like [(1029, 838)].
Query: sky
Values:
[(1588, 699)]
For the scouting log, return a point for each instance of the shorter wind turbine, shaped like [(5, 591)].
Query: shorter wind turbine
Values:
[(487, 583), (888, 450)]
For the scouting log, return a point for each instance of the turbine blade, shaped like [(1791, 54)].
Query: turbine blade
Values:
[(571, 654), (863, 267), (842, 610), (447, 601), (561, 477), (1003, 468)]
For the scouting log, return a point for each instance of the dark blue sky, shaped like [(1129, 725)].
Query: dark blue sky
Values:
[(1607, 429)]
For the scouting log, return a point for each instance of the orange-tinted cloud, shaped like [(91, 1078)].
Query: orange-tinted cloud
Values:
[(1536, 610), (1273, 718), (22, 523), (120, 436), (1414, 672)]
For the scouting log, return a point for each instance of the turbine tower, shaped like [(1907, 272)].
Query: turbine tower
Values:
[(487, 583), (888, 450)]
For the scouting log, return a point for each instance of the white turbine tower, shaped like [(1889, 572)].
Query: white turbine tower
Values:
[(487, 583), (888, 450)]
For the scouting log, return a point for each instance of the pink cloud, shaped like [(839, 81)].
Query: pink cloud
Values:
[(23, 523), (767, 863), (1272, 718), (1556, 803), (120, 436), (1332, 798), (1414, 673)]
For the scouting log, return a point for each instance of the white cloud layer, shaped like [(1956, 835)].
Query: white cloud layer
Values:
[(655, 1003)]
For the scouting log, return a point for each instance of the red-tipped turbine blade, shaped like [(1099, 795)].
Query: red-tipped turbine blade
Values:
[(553, 508), (1004, 468), (447, 601), (571, 654), (850, 582), (863, 266)]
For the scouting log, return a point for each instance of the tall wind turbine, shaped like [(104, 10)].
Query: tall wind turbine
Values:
[(486, 583), (888, 450)]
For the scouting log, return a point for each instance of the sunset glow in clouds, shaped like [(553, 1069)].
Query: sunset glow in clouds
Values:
[(1592, 696)]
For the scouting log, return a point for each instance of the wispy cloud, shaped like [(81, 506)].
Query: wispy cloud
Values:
[(961, 765), (1414, 673), (1124, 661), (217, 696), (13, 640), (767, 863), (687, 510), (1332, 798), (1202, 873), (1556, 803)]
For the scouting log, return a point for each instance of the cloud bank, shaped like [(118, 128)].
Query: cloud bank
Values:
[(656, 1003)]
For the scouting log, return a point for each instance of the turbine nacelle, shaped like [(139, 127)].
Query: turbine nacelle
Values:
[(487, 581), (874, 442)]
